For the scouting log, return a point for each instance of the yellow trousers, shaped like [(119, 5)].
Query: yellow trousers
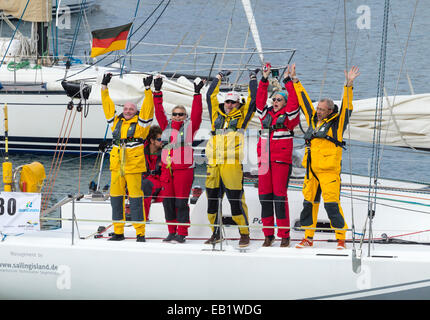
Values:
[(326, 184), (131, 181), (227, 178)]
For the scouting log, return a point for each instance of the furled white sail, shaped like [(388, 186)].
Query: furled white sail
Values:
[(409, 128)]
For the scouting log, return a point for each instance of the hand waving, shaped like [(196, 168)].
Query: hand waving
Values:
[(351, 75)]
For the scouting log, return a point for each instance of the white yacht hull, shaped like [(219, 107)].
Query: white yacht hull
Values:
[(55, 265)]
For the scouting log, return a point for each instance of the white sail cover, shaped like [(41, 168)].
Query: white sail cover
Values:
[(34, 10), (404, 123)]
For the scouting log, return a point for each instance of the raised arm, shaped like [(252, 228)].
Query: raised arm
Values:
[(305, 102), (292, 108), (107, 103), (197, 107), (262, 92), (146, 114), (211, 95), (249, 108), (347, 107), (160, 114)]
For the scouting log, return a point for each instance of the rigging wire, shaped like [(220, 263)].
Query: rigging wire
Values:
[(392, 103), (57, 158), (129, 37), (227, 36), (110, 53), (328, 53), (349, 127), (374, 169)]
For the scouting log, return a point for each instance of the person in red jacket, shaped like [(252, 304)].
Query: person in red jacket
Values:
[(177, 170), (274, 149), (151, 184)]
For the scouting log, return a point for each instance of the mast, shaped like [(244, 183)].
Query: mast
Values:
[(253, 27)]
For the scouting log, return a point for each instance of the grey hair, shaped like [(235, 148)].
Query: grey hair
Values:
[(180, 107), (330, 103)]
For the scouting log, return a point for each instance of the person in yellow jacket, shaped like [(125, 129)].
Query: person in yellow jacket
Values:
[(323, 156), (224, 152), (127, 158)]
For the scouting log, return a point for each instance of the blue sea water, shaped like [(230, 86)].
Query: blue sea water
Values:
[(315, 29)]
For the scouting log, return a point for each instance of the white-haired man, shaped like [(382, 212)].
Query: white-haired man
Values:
[(127, 158)]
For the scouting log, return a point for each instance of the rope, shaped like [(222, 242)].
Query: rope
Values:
[(57, 158), (227, 36), (375, 163), (390, 105), (349, 127), (193, 48), (131, 31), (328, 53), (14, 32), (183, 60), (75, 36), (110, 53)]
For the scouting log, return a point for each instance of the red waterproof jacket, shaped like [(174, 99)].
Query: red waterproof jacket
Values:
[(276, 138), (178, 135)]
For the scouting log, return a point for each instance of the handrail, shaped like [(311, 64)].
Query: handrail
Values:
[(59, 204)]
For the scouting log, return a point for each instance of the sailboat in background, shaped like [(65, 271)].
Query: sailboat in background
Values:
[(32, 72)]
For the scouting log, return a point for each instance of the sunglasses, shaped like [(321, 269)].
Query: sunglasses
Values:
[(179, 114), (158, 139), (277, 99), (229, 101)]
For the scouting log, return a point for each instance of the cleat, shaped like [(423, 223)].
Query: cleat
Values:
[(268, 241), (285, 242), (305, 243)]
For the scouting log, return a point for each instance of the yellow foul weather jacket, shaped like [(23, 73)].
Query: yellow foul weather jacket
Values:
[(226, 144), (127, 153), (324, 139)]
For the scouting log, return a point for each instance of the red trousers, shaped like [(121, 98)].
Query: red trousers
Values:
[(152, 190), (272, 191), (177, 187)]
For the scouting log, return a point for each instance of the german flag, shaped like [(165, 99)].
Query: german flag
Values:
[(111, 39)]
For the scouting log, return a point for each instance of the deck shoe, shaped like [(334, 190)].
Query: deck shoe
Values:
[(285, 242), (116, 237), (341, 244), (140, 238), (305, 243), (244, 240), (215, 238), (179, 238), (170, 237), (268, 241)]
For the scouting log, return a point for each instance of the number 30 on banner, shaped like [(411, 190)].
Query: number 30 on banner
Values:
[(9, 207)]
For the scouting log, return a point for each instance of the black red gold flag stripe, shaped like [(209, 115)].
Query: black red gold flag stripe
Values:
[(111, 39)]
